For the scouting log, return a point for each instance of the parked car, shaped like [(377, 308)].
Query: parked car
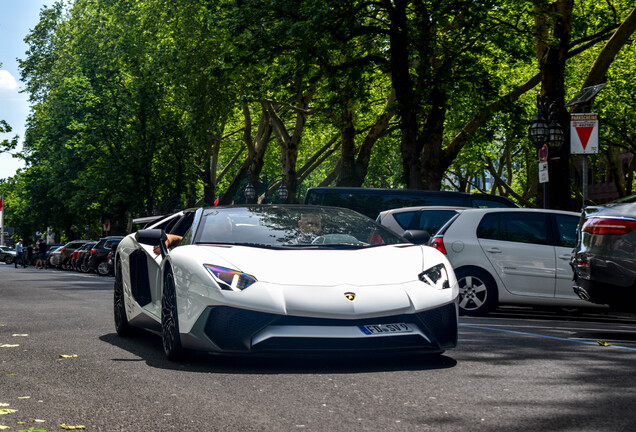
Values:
[(61, 260), (604, 260), (372, 201), (53, 257), (98, 259), (80, 254), (7, 254), (81, 263), (417, 224), (511, 257)]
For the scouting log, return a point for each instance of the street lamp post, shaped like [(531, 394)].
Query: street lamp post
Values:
[(546, 134), (282, 192)]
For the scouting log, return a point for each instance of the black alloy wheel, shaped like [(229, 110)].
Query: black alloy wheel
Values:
[(122, 326), (8, 259), (477, 291), (170, 319)]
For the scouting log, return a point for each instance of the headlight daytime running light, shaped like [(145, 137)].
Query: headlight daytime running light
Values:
[(436, 277), (228, 279)]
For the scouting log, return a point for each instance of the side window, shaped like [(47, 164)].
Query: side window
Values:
[(431, 221), (405, 219), (566, 230), (524, 227), (489, 227), (516, 227), (182, 226)]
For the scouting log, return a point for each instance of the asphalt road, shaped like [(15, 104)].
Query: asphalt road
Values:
[(512, 371)]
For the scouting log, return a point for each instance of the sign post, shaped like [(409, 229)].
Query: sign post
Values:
[(584, 141)]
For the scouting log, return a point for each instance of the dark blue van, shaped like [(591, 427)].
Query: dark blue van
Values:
[(371, 201)]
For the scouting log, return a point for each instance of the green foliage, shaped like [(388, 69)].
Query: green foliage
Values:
[(137, 106)]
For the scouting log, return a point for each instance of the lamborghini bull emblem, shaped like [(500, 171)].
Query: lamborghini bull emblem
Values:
[(350, 296)]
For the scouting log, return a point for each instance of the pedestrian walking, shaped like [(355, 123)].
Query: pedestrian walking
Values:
[(19, 254)]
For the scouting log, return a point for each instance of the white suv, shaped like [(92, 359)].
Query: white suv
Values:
[(511, 256)]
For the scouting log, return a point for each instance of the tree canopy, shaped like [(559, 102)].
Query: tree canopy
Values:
[(146, 106)]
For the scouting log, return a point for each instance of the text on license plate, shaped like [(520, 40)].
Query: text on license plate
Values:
[(386, 328)]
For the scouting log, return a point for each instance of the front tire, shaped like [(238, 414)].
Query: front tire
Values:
[(170, 319), (8, 259), (122, 326), (477, 291)]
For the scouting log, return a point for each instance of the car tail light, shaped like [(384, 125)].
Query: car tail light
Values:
[(608, 226), (438, 243), (93, 250)]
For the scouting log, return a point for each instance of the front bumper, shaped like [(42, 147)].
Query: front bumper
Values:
[(233, 330)]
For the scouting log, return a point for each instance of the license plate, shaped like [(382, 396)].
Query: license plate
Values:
[(386, 328)]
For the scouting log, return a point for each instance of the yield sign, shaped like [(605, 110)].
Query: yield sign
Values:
[(583, 133)]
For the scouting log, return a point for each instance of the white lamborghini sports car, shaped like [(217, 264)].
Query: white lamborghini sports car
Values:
[(273, 278)]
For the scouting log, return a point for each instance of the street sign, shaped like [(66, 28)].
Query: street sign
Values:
[(543, 172), (583, 133), (543, 153)]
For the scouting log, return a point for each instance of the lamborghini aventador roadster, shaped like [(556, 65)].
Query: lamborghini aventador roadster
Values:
[(275, 278)]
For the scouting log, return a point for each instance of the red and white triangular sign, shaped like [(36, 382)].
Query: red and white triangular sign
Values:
[(583, 133)]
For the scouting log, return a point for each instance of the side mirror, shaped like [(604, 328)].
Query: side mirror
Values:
[(153, 237), (417, 236)]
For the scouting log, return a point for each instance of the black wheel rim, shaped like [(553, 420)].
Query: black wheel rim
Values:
[(169, 324)]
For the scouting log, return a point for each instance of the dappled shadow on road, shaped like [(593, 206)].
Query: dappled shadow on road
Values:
[(570, 384), (147, 347)]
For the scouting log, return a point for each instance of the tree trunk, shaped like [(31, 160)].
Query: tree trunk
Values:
[(552, 59)]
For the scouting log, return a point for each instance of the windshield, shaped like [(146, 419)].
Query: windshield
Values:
[(291, 226)]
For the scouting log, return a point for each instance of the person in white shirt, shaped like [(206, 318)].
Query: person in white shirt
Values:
[(19, 254)]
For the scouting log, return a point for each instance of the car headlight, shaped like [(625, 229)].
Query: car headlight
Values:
[(436, 277), (228, 279)]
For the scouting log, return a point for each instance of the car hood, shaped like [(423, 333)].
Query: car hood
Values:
[(392, 264)]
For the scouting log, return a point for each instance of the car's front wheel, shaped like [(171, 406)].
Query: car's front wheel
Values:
[(170, 319), (477, 291), (122, 326), (8, 259)]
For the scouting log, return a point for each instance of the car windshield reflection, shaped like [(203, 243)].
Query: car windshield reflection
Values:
[(291, 226)]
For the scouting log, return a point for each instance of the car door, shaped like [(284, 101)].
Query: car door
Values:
[(517, 244), (565, 234)]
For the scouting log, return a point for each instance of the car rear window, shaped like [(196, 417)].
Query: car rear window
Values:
[(405, 219), (431, 221)]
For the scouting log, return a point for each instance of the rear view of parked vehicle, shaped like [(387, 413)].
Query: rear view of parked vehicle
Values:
[(604, 259), (98, 260), (511, 257), (62, 260), (417, 224), (80, 262)]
